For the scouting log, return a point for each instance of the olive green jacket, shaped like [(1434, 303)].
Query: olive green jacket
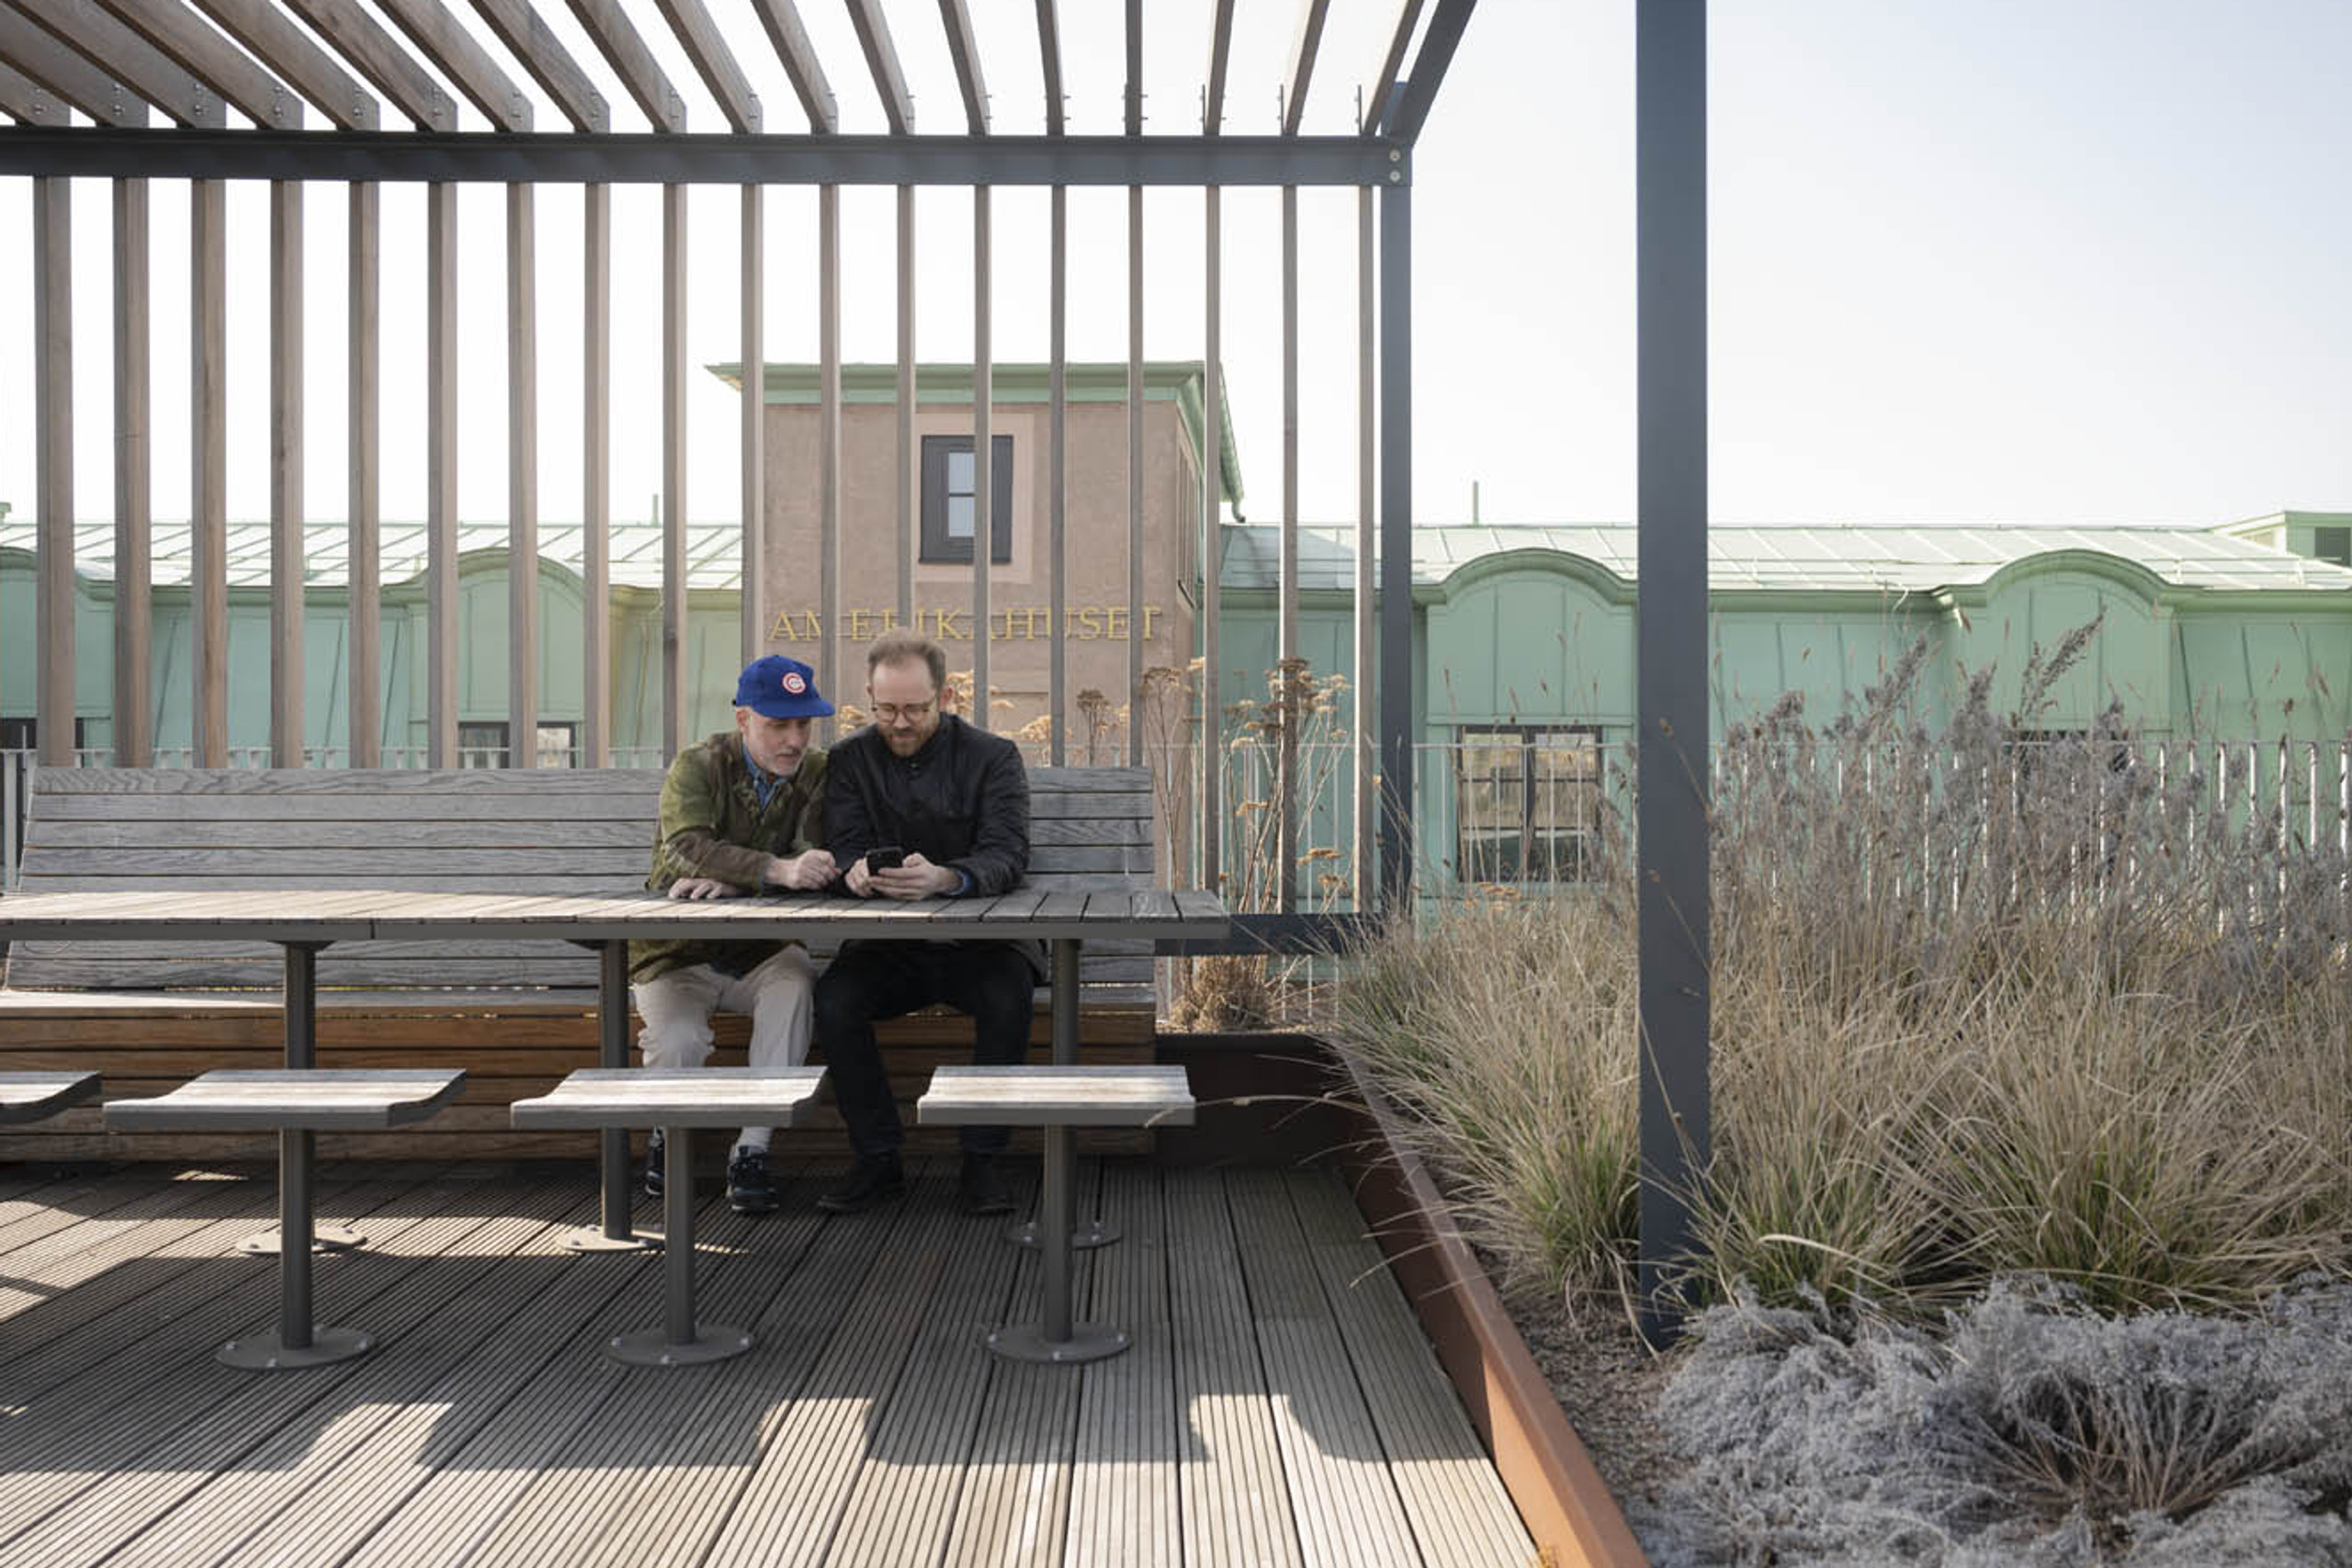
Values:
[(712, 825)]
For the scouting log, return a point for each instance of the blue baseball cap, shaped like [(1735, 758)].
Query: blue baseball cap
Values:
[(778, 687)]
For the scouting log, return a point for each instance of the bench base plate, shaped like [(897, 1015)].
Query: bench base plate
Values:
[(1087, 1342), (323, 1238), (653, 1347), (1083, 1234), (592, 1238), (267, 1353)]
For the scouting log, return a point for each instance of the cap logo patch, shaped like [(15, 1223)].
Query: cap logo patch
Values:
[(794, 683)]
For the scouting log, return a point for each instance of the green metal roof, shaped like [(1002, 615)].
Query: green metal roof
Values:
[(1858, 557)]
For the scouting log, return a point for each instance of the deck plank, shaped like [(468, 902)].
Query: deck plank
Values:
[(1124, 1510)]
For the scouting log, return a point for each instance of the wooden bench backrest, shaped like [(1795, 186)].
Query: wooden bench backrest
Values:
[(541, 830)]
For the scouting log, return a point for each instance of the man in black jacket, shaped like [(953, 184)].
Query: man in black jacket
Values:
[(954, 801)]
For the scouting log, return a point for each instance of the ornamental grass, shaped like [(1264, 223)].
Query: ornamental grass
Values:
[(1987, 1001)]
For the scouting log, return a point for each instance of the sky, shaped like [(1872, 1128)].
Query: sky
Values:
[(1970, 261)]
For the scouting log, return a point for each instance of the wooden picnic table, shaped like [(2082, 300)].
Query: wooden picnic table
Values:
[(304, 920)]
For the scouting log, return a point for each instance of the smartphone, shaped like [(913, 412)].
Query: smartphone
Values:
[(884, 857)]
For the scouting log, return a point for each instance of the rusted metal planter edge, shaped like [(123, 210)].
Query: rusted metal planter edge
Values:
[(1560, 1496)]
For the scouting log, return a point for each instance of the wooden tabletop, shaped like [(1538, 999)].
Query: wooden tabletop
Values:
[(365, 914)]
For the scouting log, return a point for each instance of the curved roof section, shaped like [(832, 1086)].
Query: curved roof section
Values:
[(1860, 558)]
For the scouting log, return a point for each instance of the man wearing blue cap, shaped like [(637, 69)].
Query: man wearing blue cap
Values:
[(740, 812)]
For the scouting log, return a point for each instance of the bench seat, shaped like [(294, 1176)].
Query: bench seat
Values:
[(150, 1015)]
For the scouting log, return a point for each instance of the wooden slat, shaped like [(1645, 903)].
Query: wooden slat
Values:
[(708, 1097), (285, 48), (882, 63), (464, 832), (54, 67), (122, 54), (378, 57), (27, 100), (443, 40), (1087, 1096), (201, 781), (963, 48), (608, 26), (705, 46), (53, 583), (801, 66), (528, 37), (134, 632), (199, 49), (231, 1098), (1131, 1429)]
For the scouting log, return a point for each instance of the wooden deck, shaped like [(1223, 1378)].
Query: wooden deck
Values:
[(1280, 1407)]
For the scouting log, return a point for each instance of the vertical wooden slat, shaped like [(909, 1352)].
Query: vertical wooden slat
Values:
[(1057, 392), (522, 480), (134, 639), (53, 469), (441, 475), (1286, 614), (1367, 766), (208, 462), (983, 457), (673, 469), (909, 449), (285, 542), (829, 440), (1135, 758), (596, 504), (1211, 468), (754, 598), (365, 701)]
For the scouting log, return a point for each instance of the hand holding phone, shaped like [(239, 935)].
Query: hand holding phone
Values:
[(884, 857)]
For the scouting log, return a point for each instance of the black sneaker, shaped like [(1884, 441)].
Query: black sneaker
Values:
[(870, 1180), (749, 1191), (655, 1164), (982, 1187)]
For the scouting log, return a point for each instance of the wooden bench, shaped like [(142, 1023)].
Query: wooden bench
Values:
[(517, 1016), (296, 1106)]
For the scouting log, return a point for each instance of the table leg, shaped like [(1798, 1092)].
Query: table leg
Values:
[(1085, 1233), (1059, 1339), (680, 1341), (614, 1232), (300, 1002), (298, 1342)]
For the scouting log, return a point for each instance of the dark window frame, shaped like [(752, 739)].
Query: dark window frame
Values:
[(938, 547), (1480, 846), (2332, 542)]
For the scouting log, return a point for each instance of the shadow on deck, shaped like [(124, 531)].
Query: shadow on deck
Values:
[(1279, 1405)]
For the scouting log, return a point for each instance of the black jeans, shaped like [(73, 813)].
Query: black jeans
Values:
[(871, 980)]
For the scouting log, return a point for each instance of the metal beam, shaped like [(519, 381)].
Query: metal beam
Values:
[(882, 65), (706, 47), (567, 158), (285, 48), (87, 58), (1220, 58), (617, 39), (1382, 89), (964, 47), (378, 56), (1671, 846), (189, 42), (1429, 69), (801, 66), (1049, 57), (443, 40), (1303, 48), (530, 41)]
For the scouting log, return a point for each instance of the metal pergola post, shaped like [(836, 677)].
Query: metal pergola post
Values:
[(1670, 230)]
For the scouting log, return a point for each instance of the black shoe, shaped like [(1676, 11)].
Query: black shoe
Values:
[(749, 1191), (982, 1187), (870, 1180), (656, 1163)]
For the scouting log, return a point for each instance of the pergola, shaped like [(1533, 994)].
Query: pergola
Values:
[(322, 90)]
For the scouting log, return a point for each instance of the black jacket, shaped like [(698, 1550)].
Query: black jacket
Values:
[(962, 801)]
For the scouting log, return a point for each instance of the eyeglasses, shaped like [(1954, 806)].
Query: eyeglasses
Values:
[(890, 713)]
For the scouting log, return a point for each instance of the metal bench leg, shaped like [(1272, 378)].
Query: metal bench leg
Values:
[(298, 1342), (300, 1002), (1058, 1339), (615, 1232), (680, 1341), (1083, 1232)]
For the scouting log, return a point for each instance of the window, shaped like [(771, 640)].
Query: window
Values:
[(1527, 803), (947, 476), (484, 745), (2333, 544)]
